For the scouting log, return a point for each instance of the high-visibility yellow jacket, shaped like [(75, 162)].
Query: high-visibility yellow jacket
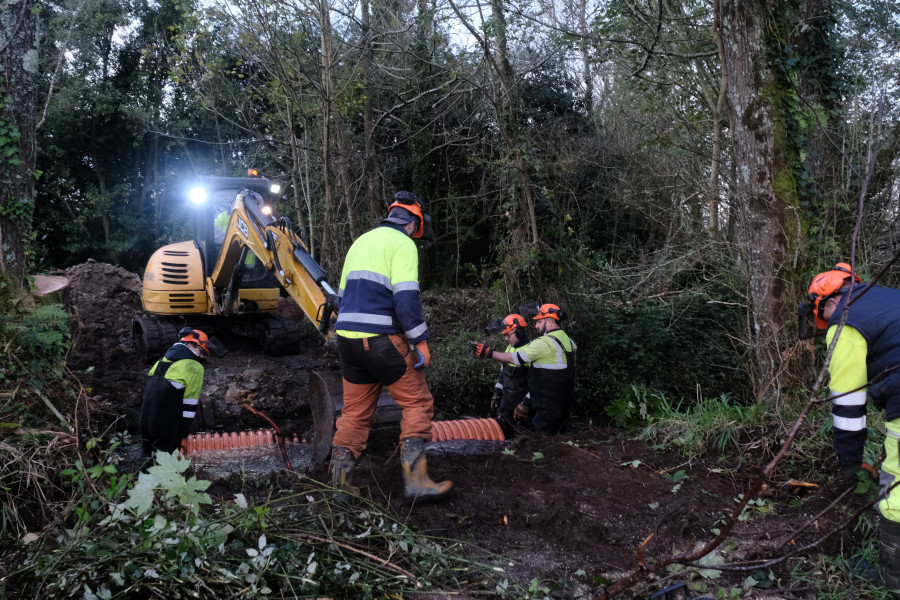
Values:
[(379, 290)]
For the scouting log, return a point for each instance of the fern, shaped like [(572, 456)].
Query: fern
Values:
[(34, 345)]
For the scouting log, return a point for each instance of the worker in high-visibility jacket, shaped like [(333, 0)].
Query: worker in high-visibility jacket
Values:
[(512, 383), (868, 347), (551, 372), (172, 393), (382, 342)]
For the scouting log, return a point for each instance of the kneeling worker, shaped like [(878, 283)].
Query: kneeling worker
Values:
[(379, 321), (512, 383), (551, 372)]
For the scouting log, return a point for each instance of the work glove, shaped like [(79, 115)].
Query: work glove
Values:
[(495, 400), (424, 355), (521, 413), (482, 350)]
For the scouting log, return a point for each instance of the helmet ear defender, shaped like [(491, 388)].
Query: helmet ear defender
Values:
[(824, 286), (410, 202), (195, 336)]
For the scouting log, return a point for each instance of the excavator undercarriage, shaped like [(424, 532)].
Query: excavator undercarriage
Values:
[(275, 335)]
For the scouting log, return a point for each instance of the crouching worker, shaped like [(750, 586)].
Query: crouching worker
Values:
[(512, 383), (867, 350), (381, 339), (551, 372), (172, 393)]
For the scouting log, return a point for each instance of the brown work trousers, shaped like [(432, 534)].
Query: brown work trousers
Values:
[(367, 366)]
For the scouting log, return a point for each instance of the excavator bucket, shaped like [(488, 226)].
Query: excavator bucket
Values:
[(324, 415), (326, 401)]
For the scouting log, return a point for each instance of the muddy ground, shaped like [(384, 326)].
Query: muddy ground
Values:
[(569, 511)]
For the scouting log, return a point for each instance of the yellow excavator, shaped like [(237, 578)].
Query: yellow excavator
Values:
[(229, 278)]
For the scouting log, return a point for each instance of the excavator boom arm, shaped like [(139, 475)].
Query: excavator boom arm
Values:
[(283, 253)]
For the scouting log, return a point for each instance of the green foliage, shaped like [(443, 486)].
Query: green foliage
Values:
[(163, 536), (35, 344), (461, 383), (631, 408), (709, 425), (167, 476), (674, 349), (840, 577), (12, 208)]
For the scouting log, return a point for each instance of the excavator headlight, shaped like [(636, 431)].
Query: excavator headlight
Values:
[(275, 188), (266, 210), (197, 195)]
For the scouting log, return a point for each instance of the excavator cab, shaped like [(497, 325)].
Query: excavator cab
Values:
[(230, 277)]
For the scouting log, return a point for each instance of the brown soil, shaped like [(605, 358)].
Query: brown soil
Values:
[(570, 511)]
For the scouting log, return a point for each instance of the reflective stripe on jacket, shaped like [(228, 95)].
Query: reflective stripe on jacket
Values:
[(868, 345), (379, 291), (185, 373)]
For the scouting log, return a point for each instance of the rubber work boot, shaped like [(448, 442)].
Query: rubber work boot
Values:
[(889, 535), (418, 485), (342, 465)]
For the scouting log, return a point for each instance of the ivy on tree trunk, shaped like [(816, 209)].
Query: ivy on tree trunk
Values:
[(766, 186), (18, 90)]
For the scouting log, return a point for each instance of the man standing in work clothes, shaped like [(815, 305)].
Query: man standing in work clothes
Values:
[(172, 393), (868, 346), (551, 372), (379, 320)]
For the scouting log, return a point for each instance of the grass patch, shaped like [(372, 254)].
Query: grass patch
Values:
[(695, 427)]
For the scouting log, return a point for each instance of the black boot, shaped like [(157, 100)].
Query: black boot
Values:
[(889, 535)]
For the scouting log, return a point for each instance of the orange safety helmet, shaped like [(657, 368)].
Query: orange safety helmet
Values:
[(513, 322), (549, 311), (195, 336), (825, 285), (410, 202)]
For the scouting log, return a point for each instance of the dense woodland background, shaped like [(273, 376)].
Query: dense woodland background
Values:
[(672, 171)]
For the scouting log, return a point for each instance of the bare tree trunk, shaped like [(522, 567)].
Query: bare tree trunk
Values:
[(717, 114), (765, 180), (296, 163), (584, 47), (330, 208), (370, 166), (508, 101), (18, 92), (343, 170)]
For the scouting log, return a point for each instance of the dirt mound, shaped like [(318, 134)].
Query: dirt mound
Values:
[(103, 298)]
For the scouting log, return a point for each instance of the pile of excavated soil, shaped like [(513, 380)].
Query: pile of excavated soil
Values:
[(102, 298)]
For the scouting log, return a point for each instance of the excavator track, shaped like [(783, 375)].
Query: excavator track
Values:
[(154, 335), (275, 335)]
